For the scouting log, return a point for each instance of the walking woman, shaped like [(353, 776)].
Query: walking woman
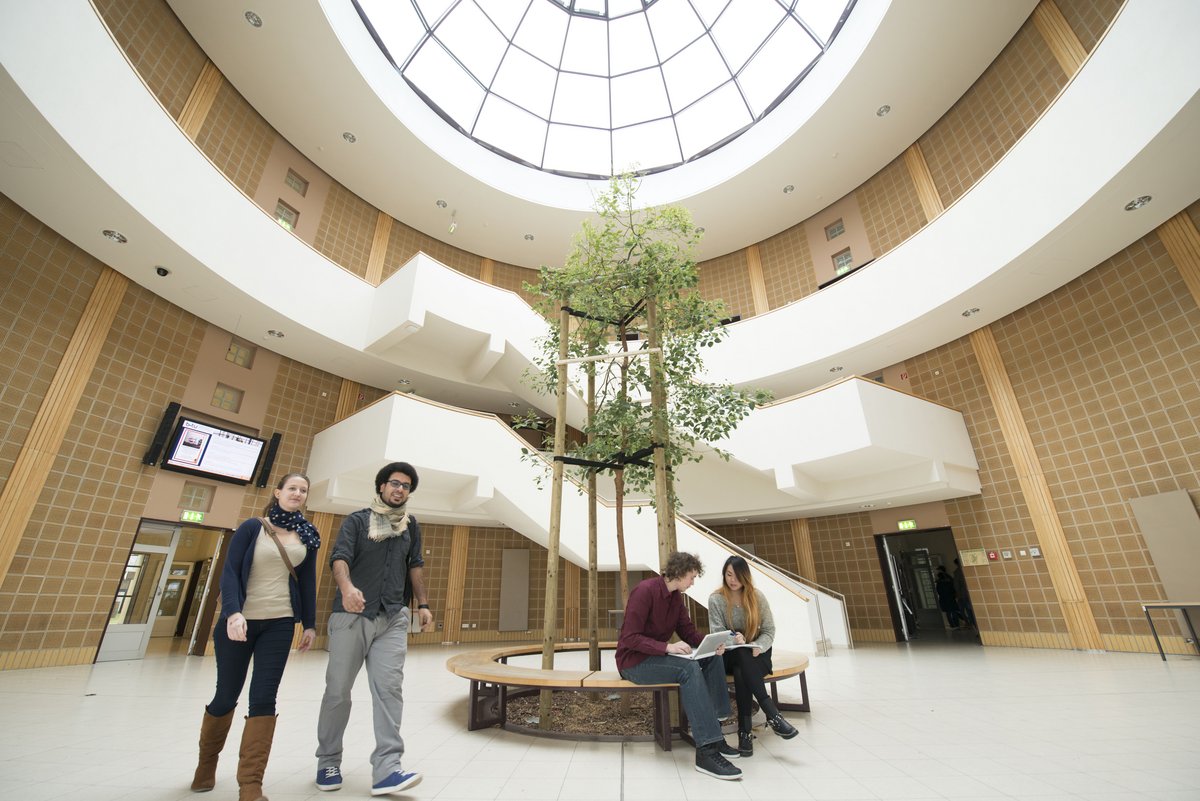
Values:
[(738, 607), (267, 585)]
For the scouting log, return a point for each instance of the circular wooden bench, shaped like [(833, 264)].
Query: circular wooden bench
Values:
[(493, 681)]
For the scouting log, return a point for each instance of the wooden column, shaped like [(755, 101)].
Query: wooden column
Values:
[(200, 100), (918, 170), (806, 565), (36, 457), (1182, 241), (758, 284), (379, 246), (1068, 51), (1081, 623), (487, 269), (456, 584), (571, 584)]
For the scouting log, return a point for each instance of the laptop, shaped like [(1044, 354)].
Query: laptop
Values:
[(708, 646)]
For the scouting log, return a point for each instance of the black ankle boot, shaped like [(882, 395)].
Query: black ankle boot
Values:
[(745, 738), (780, 726)]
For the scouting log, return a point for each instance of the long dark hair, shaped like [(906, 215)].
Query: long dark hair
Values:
[(741, 571)]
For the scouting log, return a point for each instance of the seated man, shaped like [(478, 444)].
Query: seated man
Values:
[(644, 656)]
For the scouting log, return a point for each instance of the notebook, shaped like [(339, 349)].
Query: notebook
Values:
[(708, 646)]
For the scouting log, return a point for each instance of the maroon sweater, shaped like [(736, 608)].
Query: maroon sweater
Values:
[(652, 616)]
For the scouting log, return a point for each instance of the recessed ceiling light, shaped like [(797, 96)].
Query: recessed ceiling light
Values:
[(514, 405), (971, 312), (837, 369), (789, 189), (868, 506), (1137, 203), (254, 19), (699, 229), (349, 137), (115, 236), (743, 519), (528, 237), (441, 204), (403, 381), (883, 110), (275, 333), (453, 226)]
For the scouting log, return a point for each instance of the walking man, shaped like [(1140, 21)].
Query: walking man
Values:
[(377, 565)]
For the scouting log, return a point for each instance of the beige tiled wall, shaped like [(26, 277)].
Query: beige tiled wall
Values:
[(160, 48), (513, 278), (728, 278), (771, 541), (237, 140), (347, 230), (845, 554), (787, 266), (1089, 18), (992, 115), (890, 207), (405, 242)]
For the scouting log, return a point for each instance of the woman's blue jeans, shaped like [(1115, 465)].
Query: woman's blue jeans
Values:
[(268, 642), (702, 690)]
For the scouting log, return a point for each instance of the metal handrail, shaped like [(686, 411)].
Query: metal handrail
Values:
[(765, 565)]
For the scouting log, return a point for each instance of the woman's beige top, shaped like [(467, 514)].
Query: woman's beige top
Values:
[(267, 593)]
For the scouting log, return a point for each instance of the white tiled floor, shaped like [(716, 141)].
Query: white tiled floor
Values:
[(934, 721)]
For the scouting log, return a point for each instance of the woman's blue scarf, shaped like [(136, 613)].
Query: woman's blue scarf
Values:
[(294, 521)]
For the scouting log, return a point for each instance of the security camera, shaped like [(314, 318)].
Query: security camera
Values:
[(163, 271)]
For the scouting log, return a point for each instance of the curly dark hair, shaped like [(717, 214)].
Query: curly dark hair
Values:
[(396, 467), (680, 563)]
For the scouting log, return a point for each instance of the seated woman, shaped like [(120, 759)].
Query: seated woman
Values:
[(739, 607)]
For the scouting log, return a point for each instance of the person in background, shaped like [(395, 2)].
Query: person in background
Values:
[(741, 608), (267, 585), (378, 568), (943, 585), (964, 598), (654, 614)]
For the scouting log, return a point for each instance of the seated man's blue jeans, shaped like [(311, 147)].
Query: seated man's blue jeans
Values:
[(701, 690)]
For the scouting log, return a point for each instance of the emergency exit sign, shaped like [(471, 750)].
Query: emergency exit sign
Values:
[(906, 525), (188, 516)]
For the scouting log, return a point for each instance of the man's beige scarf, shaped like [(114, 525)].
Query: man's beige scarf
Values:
[(387, 521)]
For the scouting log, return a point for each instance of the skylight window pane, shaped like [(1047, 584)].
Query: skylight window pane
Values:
[(441, 78), (587, 46), (674, 25), (581, 100), (504, 14), (743, 27), (618, 8), (397, 25), (513, 130), (590, 6), (637, 97), (694, 72), (542, 32), (711, 120), (710, 10), (432, 10), (786, 53), (526, 81), (630, 45), (573, 149), (820, 15), (652, 144), (468, 34)]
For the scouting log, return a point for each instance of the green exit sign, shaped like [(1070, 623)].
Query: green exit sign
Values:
[(906, 525), (188, 516)]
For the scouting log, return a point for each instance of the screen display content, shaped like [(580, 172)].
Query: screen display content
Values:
[(203, 449)]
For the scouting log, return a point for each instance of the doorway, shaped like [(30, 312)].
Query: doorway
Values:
[(135, 605), (924, 608)]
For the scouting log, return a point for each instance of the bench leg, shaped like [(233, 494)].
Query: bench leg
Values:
[(788, 706), (480, 697)]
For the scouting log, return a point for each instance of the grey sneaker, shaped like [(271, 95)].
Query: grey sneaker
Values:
[(710, 761), (780, 726)]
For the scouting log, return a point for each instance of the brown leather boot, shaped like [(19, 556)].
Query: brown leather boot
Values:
[(252, 761), (213, 731)]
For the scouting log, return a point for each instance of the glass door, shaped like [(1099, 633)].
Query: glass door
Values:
[(135, 605)]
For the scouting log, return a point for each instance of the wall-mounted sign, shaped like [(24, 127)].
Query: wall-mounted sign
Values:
[(188, 516), (906, 525), (975, 557), (993, 556)]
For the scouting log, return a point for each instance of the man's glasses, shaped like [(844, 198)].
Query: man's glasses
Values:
[(404, 485)]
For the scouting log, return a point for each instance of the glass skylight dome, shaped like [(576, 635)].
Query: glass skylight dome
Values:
[(592, 88)]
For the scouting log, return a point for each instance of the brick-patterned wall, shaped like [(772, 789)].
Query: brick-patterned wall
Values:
[(890, 207), (727, 278), (347, 230), (511, 277), (237, 140), (1089, 18), (847, 561), (770, 541), (404, 243), (787, 266), (993, 114), (159, 47)]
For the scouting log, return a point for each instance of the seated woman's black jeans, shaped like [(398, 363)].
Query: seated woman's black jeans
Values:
[(748, 672)]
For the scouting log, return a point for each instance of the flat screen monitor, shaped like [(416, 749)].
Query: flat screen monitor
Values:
[(203, 449)]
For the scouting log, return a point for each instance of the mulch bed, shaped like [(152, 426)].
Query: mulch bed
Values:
[(589, 713)]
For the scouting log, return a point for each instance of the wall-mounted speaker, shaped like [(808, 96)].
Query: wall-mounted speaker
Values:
[(160, 436), (264, 475)]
